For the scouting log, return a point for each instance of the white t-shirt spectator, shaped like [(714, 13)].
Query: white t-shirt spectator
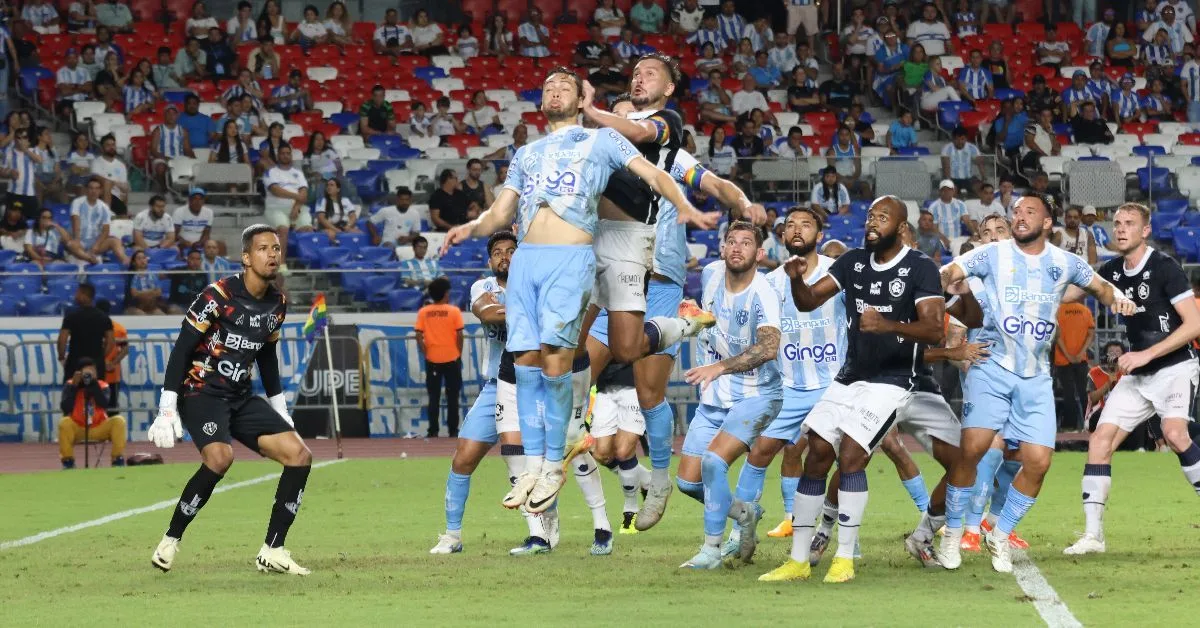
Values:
[(831, 202), (78, 76), (312, 30), (395, 223), (207, 23), (153, 231), (239, 33), (113, 170), (192, 226), (467, 47), (932, 37), (722, 160), (978, 211), (747, 101), (689, 21), (602, 14), (338, 214), (425, 35), (399, 32), (479, 119), (290, 179)]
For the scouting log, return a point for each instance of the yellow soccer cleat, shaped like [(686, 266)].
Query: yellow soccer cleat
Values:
[(842, 570), (791, 570), (783, 530)]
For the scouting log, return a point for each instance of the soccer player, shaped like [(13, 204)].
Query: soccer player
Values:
[(810, 354), (552, 189), (618, 426), (895, 308), (493, 416), (1160, 369), (740, 386), (653, 83), (1012, 392), (233, 325)]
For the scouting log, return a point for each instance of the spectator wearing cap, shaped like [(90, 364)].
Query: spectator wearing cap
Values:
[(1042, 97), (392, 38), (1087, 127), (90, 219), (1126, 104), (168, 141), (1077, 94), (84, 399), (264, 61), (287, 199), (1089, 216), (376, 116), (960, 159), (193, 222), (72, 82), (191, 62), (291, 97), (950, 213), (830, 196)]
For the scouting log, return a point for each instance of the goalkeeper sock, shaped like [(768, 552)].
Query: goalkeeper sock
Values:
[(288, 496), (194, 496)]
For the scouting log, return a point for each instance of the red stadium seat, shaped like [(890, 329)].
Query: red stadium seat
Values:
[(1058, 83), (971, 120), (1139, 128), (364, 30), (299, 143), (997, 31), (139, 149), (1032, 31), (463, 142), (821, 119)]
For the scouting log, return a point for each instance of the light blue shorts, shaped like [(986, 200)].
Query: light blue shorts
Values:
[(1019, 408), (494, 412), (745, 420), (599, 329), (662, 299), (549, 287), (796, 406)]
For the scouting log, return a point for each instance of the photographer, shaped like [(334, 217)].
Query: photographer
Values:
[(84, 398)]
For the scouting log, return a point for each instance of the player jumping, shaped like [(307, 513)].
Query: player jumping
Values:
[(233, 325), (1161, 371)]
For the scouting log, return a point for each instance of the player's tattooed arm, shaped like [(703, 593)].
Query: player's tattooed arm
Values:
[(1109, 296), (757, 355), (488, 310)]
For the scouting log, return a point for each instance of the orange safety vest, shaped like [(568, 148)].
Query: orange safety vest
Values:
[(85, 407)]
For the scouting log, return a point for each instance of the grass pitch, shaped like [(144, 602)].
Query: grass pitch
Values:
[(367, 525)]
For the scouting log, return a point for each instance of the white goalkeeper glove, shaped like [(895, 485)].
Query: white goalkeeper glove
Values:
[(279, 403), (166, 428)]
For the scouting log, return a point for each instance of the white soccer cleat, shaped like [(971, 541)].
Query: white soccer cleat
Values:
[(922, 551), (950, 553), (1087, 544), (164, 554), (545, 490), (447, 544), (278, 560), (520, 490), (550, 526), (653, 505), (749, 531), (1001, 551)]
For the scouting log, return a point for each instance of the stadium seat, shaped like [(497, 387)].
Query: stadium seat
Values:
[(405, 300), (61, 287), (309, 245), (707, 238), (1187, 243), (23, 285), (6, 256), (1154, 180), (366, 183), (110, 287), (375, 254), (1171, 206), (10, 305), (162, 256), (352, 241), (1161, 225), (333, 256), (41, 305), (378, 285)]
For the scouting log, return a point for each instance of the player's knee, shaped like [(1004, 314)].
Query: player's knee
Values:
[(300, 457), (648, 399), (625, 451), (1036, 465), (1176, 434), (217, 458), (713, 464)]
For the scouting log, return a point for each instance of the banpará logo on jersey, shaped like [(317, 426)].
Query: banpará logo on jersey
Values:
[(1017, 294), (861, 306), (790, 325), (819, 354), (236, 342), (1143, 291), (1040, 330), (896, 288), (859, 266)]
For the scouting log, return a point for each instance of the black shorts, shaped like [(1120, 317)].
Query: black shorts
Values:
[(210, 419)]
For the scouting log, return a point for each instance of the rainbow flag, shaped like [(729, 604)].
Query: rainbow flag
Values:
[(318, 318)]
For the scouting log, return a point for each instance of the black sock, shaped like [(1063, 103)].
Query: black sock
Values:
[(194, 496), (288, 496)]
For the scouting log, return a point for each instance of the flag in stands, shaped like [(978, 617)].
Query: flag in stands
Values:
[(318, 318)]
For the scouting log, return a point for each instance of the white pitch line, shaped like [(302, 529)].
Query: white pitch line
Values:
[(1051, 607), (124, 514)]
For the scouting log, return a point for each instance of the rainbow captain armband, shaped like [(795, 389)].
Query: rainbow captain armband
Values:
[(662, 132), (693, 176)]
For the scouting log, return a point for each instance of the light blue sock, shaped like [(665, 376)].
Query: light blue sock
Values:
[(695, 490), (985, 474), (956, 504), (717, 496), (659, 428), (529, 401), (788, 486), (918, 492), (750, 483), (457, 488), (1015, 508), (558, 412), (1004, 479)]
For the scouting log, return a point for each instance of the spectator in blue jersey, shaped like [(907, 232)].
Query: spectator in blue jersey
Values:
[(199, 127), (291, 97), (154, 227), (902, 134), (710, 33), (20, 166), (421, 269), (213, 265), (975, 81), (950, 213), (766, 76), (533, 36), (168, 141), (889, 61)]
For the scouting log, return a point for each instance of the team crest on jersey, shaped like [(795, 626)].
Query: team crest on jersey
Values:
[(858, 267), (1143, 291), (903, 272), (1146, 276), (742, 317), (1055, 272), (896, 288), (578, 136), (967, 407)]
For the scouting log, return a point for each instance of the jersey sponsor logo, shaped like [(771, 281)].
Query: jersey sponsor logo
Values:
[(562, 182), (978, 259), (237, 342), (234, 371), (858, 267), (876, 287), (861, 306), (793, 325), (896, 288), (1040, 330), (1017, 294), (820, 354), (630, 279), (210, 306), (903, 272), (256, 321)]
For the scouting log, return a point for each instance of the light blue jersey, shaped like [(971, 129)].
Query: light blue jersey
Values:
[(812, 343), (493, 346), (1021, 297), (567, 170), (92, 219), (670, 237), (739, 317)]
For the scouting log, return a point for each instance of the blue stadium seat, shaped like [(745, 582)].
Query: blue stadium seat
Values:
[(1162, 223), (373, 286), (380, 166), (21, 285), (692, 287), (308, 245), (366, 183), (9, 305), (383, 142), (449, 263), (859, 209), (1146, 151), (1171, 205), (62, 287), (375, 254), (708, 260), (352, 241), (1187, 243), (402, 153), (62, 267), (428, 73), (333, 256), (111, 287), (1006, 93), (1190, 219), (460, 283), (707, 238), (30, 77), (844, 222), (947, 114), (1154, 180), (352, 281), (42, 305), (162, 256), (532, 95), (405, 300), (912, 151), (24, 267), (6, 257), (344, 119)]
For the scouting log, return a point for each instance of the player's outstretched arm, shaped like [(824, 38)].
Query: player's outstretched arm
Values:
[(952, 273), (806, 297), (636, 131), (730, 195), (1108, 296), (665, 186), (1188, 330), (497, 217), (488, 310)]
